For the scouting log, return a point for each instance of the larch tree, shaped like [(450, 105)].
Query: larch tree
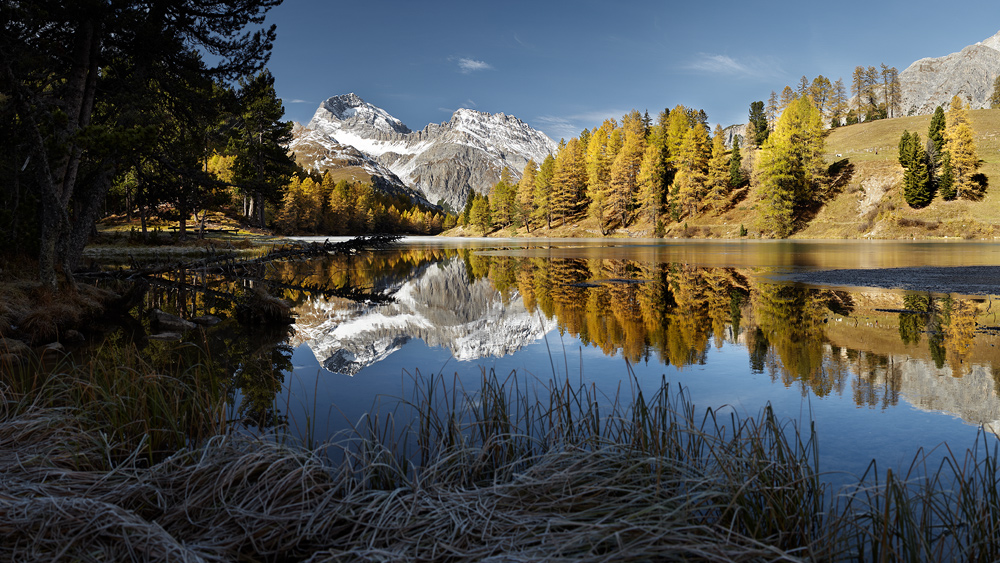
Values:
[(625, 168), (543, 192), (874, 110), (995, 96), (859, 88), (787, 97), (653, 174), (598, 166), (838, 103), (503, 200), (526, 194), (677, 127), (692, 170), (772, 109), (569, 180), (961, 148), (821, 92), (789, 169), (803, 87)]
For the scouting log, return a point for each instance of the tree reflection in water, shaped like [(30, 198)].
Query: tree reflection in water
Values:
[(668, 312)]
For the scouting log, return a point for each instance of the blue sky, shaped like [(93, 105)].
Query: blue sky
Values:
[(561, 66)]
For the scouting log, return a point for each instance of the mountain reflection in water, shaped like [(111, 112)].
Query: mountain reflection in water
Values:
[(872, 347), (882, 373)]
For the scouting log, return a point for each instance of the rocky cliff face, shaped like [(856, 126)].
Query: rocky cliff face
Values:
[(443, 161), (969, 73), (437, 306)]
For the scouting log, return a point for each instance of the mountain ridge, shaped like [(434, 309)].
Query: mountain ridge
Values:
[(969, 73), (443, 162)]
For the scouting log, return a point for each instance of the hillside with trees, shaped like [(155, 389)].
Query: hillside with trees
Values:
[(802, 168)]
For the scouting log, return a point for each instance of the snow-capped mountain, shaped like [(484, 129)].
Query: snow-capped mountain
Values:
[(443, 161), (437, 306)]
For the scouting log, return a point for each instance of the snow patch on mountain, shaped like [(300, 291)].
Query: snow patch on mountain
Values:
[(437, 306), (442, 161)]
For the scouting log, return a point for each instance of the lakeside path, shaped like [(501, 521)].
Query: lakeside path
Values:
[(966, 280)]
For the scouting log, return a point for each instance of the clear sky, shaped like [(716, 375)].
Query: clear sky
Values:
[(562, 66)]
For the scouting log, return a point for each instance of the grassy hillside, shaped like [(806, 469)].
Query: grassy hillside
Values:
[(867, 204)]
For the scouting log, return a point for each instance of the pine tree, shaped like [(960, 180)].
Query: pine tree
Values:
[(917, 187), (946, 181), (759, 122), (736, 177), (718, 172), (995, 96)]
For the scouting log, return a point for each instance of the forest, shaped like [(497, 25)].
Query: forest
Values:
[(653, 176), (158, 111)]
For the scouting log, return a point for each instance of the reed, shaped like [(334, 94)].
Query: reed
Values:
[(514, 470)]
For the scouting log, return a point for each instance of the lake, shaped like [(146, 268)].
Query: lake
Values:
[(881, 372)]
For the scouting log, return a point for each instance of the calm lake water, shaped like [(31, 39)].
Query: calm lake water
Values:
[(882, 372)]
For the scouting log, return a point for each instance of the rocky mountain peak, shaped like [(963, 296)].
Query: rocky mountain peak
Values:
[(353, 111), (969, 74), (444, 162), (992, 42)]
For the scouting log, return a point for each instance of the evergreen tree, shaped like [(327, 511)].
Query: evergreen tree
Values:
[(946, 181), (79, 81), (568, 180), (759, 122), (262, 166), (736, 177), (917, 187), (718, 172), (935, 148), (936, 130)]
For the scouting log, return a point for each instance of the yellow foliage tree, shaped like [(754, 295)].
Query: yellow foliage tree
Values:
[(961, 146)]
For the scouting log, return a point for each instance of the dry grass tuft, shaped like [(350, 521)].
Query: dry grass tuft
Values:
[(497, 475)]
